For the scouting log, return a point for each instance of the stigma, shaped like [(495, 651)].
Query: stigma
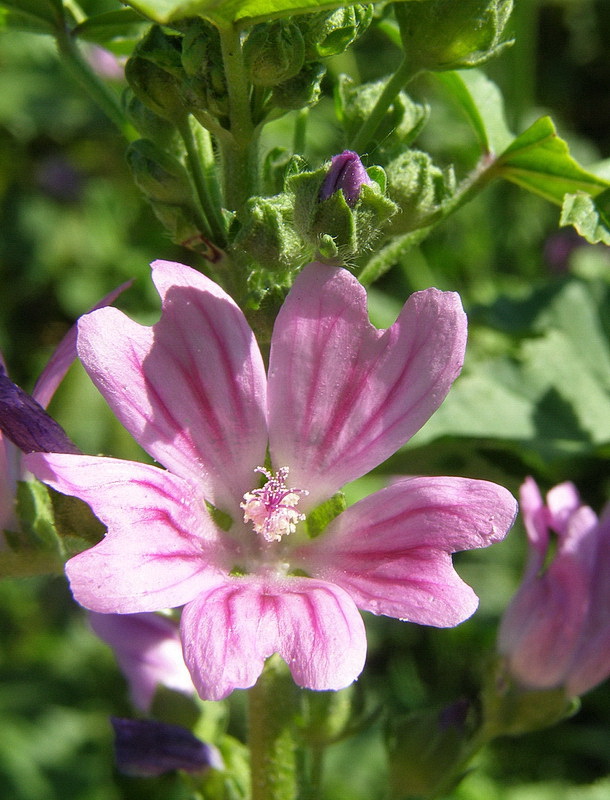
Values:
[(272, 508)]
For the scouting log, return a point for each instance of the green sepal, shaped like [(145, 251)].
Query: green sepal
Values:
[(267, 237), (401, 124), (352, 230), (274, 52), (318, 519), (511, 710), (331, 33), (589, 215), (303, 90), (175, 708), (159, 175), (35, 513), (232, 783), (148, 124), (158, 89), (444, 34), (223, 520), (419, 189)]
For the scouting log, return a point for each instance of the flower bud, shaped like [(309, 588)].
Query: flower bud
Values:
[(346, 174), (418, 188), (158, 174), (157, 89), (445, 34), (302, 90), (274, 52), (27, 424), (330, 33), (147, 748), (336, 224), (206, 85), (147, 123)]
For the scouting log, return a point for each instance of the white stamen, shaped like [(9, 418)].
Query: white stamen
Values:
[(272, 508)]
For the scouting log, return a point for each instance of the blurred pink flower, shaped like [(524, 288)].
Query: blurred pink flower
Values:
[(556, 630), (148, 650), (339, 398)]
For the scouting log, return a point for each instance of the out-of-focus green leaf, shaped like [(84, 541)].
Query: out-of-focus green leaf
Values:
[(102, 28), (47, 14), (540, 161), (589, 215), (553, 396), (226, 12), (482, 102)]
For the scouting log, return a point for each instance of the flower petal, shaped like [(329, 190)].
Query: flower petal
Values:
[(229, 631), (148, 650), (161, 548), (343, 396), (191, 389), (542, 627), (65, 354), (391, 551)]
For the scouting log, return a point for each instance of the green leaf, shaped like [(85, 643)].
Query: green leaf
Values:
[(226, 12), (102, 28), (552, 396), (48, 14), (540, 161), (589, 215), (482, 103)]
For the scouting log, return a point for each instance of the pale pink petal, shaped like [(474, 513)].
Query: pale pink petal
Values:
[(64, 355), (190, 389), (343, 396), (230, 630), (541, 629), (592, 659), (562, 501), (148, 650), (391, 551), (161, 548)]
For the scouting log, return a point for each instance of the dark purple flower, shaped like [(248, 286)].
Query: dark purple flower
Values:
[(27, 424), (347, 173), (148, 748)]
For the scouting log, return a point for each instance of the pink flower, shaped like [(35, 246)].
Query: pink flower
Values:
[(149, 652), (229, 534), (556, 631)]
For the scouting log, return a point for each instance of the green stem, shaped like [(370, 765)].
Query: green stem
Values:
[(300, 131), (86, 77), (399, 79), (240, 151), (272, 705), (208, 197)]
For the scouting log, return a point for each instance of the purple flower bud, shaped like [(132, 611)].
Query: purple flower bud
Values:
[(556, 631), (27, 424), (347, 173), (147, 748)]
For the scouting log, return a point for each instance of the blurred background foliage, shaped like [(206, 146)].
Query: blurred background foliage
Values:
[(534, 397)]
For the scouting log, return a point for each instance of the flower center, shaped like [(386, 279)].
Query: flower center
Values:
[(272, 508)]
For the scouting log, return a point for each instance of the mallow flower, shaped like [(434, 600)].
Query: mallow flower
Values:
[(230, 525), (556, 631)]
